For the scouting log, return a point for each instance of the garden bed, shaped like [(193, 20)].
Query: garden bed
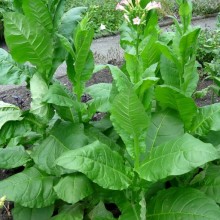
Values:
[(152, 150)]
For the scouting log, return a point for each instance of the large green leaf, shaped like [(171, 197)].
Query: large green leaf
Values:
[(176, 157), (169, 72), (12, 72), (149, 51), (130, 121), (80, 67), (130, 208), (14, 129), (69, 212), (121, 80), (101, 94), (73, 188), (57, 8), (52, 147), (9, 112), (188, 44), (12, 157), (100, 213), (213, 137), (27, 41), (30, 188), (173, 98), (58, 95), (134, 67), (70, 21), (84, 60), (211, 183), (94, 134), (184, 204), (164, 126), (99, 163), (191, 78), (206, 119), (37, 12), (22, 213), (127, 39), (39, 89)]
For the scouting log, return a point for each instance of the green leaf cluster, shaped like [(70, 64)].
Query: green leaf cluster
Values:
[(153, 155)]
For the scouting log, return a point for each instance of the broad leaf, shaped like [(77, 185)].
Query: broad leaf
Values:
[(83, 54), (121, 80), (130, 209), (97, 161), (67, 45), (12, 72), (99, 90), (14, 129), (130, 121), (206, 119), (182, 203), (80, 68), (176, 157), (39, 90), (164, 126), (213, 137), (101, 95), (69, 212), (30, 188), (59, 96), (12, 157), (73, 188), (95, 134), (188, 44), (134, 67), (191, 78), (169, 72), (22, 213), (37, 12), (70, 21), (173, 98), (52, 147), (27, 41), (145, 91), (9, 112), (100, 213), (211, 183), (127, 39), (58, 9), (149, 51)]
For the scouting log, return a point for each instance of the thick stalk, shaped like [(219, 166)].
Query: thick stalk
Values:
[(136, 78)]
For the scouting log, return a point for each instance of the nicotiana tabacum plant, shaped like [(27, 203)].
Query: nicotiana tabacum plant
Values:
[(155, 154)]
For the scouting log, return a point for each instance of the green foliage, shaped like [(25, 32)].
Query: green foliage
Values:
[(100, 12), (208, 45), (154, 155)]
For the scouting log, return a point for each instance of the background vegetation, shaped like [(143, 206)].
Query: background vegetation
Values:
[(103, 11)]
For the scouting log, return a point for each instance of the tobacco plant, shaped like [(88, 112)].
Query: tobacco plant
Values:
[(154, 155)]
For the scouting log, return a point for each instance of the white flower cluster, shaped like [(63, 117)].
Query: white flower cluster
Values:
[(127, 5)]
